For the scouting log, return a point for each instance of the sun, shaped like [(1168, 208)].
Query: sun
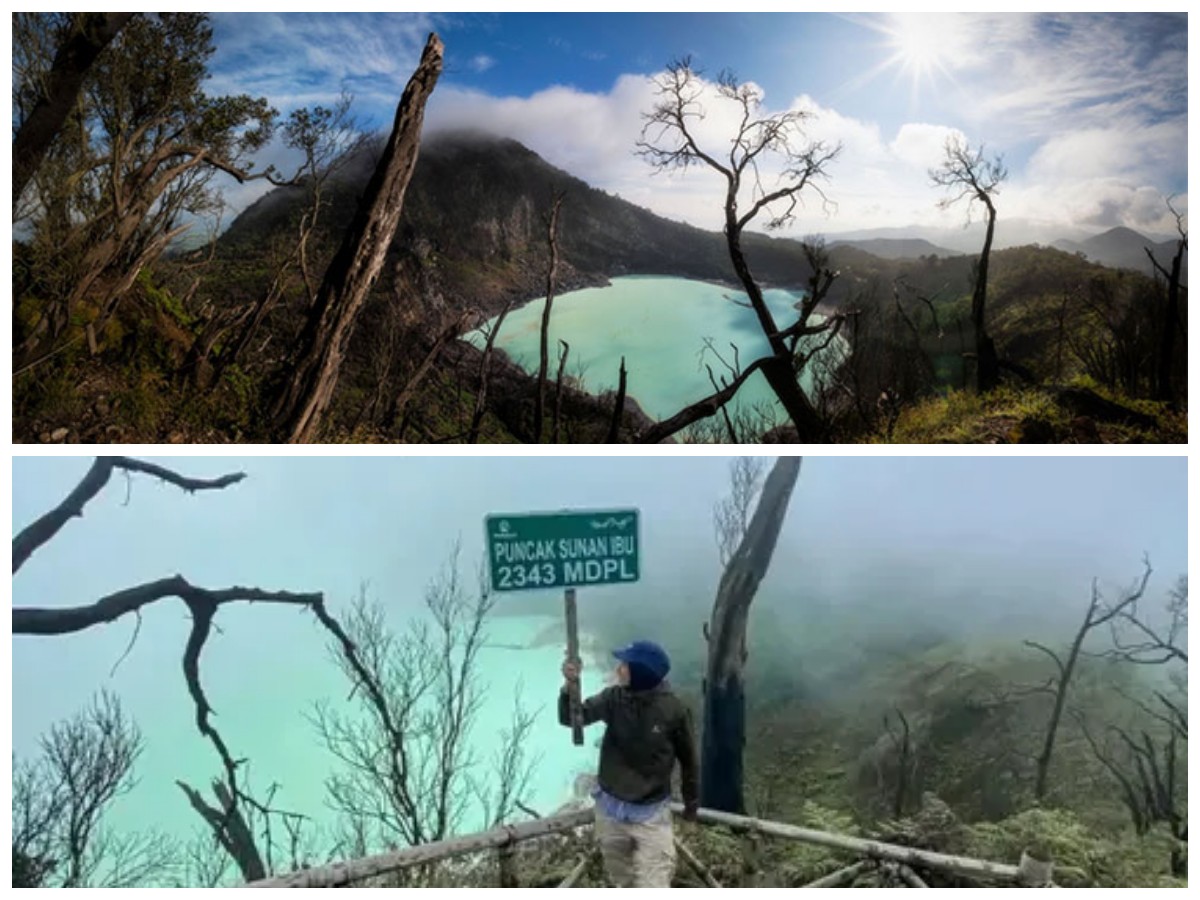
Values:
[(924, 48), (918, 43)]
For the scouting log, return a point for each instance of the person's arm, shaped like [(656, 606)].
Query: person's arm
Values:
[(593, 709), (684, 740)]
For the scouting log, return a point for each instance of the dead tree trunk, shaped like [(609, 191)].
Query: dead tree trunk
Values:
[(1164, 388), (987, 365), (558, 386), (551, 273), (721, 775), (307, 394), (90, 35), (614, 427), (1097, 615), (230, 828), (449, 333), (485, 366)]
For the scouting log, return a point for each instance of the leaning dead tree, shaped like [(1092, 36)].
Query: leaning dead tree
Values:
[(671, 140), (976, 180), (236, 805), (308, 392), (1098, 614), (721, 772)]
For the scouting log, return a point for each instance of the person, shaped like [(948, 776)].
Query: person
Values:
[(648, 729)]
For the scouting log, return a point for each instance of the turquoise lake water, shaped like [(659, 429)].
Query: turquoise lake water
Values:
[(269, 727), (659, 324)]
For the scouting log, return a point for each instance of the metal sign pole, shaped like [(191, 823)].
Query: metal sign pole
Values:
[(573, 657)]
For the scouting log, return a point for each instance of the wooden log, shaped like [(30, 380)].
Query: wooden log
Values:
[(840, 877), (909, 877), (576, 873), (349, 871), (698, 867), (957, 865)]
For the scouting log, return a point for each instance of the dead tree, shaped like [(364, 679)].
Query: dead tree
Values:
[(1098, 614), (448, 333), (614, 427), (236, 802), (1149, 762), (1164, 387), (326, 136), (564, 349), (60, 800), (308, 392), (89, 34), (485, 368), (1147, 768), (977, 180), (544, 351), (902, 743), (669, 142), (721, 771), (408, 768)]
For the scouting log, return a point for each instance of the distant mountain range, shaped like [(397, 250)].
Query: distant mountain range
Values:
[(897, 248), (1122, 248), (474, 219), (1119, 248)]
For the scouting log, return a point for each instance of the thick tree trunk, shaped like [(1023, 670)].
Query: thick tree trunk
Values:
[(721, 779), (1164, 388), (93, 32), (305, 398), (779, 370), (229, 827), (987, 365)]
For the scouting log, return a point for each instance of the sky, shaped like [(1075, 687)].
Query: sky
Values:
[(1088, 110), (980, 526)]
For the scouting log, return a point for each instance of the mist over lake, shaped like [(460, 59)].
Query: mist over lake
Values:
[(660, 325)]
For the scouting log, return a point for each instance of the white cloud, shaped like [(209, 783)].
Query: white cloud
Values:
[(1084, 112), (1100, 177), (482, 62)]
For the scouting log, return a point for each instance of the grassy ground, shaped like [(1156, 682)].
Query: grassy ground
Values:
[(1030, 416)]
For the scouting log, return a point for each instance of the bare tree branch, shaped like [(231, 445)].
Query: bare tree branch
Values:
[(702, 409), (39, 532)]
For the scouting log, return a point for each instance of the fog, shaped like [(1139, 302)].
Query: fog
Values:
[(978, 548)]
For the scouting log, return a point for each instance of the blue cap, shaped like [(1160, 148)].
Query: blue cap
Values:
[(648, 664)]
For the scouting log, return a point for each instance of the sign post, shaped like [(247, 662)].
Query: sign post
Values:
[(530, 551), (573, 657)]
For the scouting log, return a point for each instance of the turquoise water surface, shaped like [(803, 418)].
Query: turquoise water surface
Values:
[(659, 324)]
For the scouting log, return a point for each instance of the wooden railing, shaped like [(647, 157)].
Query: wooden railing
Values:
[(894, 859)]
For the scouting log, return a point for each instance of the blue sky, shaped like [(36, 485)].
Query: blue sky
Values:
[(1089, 110)]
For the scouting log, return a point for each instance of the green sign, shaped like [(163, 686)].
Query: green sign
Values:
[(561, 550)]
